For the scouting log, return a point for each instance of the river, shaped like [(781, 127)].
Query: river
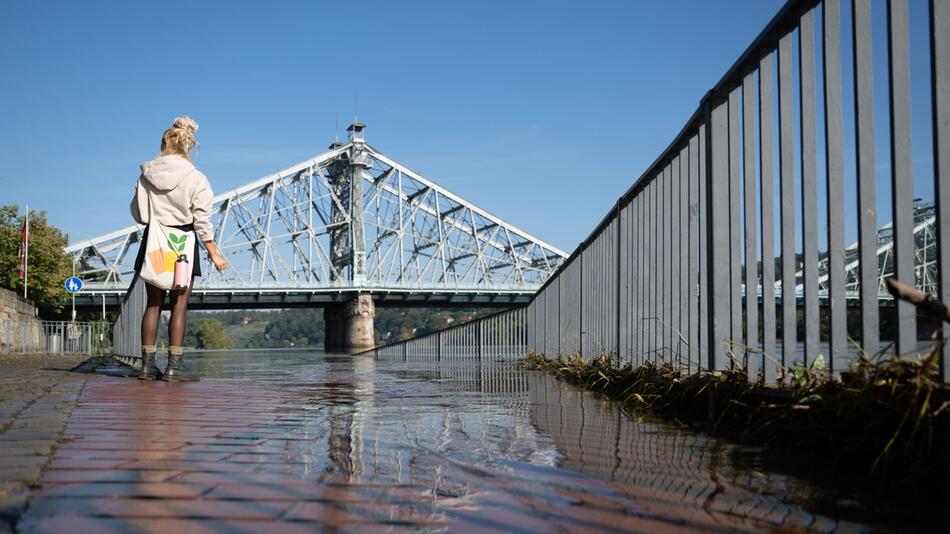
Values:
[(518, 450)]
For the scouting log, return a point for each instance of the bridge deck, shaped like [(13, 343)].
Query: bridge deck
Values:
[(226, 299)]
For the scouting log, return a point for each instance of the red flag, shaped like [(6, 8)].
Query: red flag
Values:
[(23, 250)]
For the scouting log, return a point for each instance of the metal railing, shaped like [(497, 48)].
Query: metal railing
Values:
[(662, 277), (127, 329), (499, 336), (54, 337), (62, 337)]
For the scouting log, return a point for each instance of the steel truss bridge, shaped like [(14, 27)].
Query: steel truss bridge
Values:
[(925, 260), (349, 221)]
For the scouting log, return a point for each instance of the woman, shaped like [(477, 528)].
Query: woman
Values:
[(181, 197)]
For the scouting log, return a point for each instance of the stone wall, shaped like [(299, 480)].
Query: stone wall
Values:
[(20, 330), (13, 304)]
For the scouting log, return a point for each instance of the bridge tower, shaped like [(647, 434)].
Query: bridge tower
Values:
[(349, 325)]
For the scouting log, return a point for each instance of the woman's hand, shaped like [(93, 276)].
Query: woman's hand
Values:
[(219, 262)]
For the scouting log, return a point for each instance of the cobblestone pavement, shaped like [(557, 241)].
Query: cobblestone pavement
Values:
[(37, 395), (302, 442)]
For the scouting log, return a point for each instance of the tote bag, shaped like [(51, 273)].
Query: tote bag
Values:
[(163, 247)]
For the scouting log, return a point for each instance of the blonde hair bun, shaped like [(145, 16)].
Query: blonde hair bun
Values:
[(185, 123), (180, 138)]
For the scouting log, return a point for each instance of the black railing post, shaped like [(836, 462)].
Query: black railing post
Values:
[(580, 304), (619, 264), (710, 330), (940, 94)]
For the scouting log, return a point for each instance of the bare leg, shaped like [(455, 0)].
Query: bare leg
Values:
[(176, 326), (156, 296)]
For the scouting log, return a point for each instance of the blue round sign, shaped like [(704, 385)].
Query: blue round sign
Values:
[(73, 284)]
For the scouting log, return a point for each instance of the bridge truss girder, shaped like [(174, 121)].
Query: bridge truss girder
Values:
[(297, 229), (925, 260)]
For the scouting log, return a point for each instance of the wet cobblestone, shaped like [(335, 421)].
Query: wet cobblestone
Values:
[(297, 441), (37, 395)]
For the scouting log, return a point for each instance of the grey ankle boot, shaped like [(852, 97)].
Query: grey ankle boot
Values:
[(175, 372), (148, 370)]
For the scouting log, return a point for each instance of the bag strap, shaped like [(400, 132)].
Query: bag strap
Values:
[(161, 228)]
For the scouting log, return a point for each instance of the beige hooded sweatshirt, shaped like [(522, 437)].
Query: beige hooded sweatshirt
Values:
[(180, 192)]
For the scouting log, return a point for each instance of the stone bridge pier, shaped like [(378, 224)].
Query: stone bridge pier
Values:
[(349, 325)]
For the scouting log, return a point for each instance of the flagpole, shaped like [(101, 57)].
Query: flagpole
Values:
[(26, 253)]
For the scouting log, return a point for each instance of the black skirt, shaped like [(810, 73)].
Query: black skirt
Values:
[(195, 263)]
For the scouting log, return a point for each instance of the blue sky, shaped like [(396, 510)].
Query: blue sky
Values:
[(540, 112)]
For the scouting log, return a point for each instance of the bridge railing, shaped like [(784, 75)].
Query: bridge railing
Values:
[(733, 202), (499, 336)]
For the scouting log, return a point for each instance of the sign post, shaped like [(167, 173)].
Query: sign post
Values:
[(73, 285), (73, 295)]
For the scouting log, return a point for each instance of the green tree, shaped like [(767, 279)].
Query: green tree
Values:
[(49, 265), (210, 334)]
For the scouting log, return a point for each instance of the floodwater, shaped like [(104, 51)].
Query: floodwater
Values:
[(520, 451)]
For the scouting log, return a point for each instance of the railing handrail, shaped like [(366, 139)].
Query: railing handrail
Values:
[(78, 323), (52, 321)]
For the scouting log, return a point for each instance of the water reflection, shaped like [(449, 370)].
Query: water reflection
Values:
[(465, 442)]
